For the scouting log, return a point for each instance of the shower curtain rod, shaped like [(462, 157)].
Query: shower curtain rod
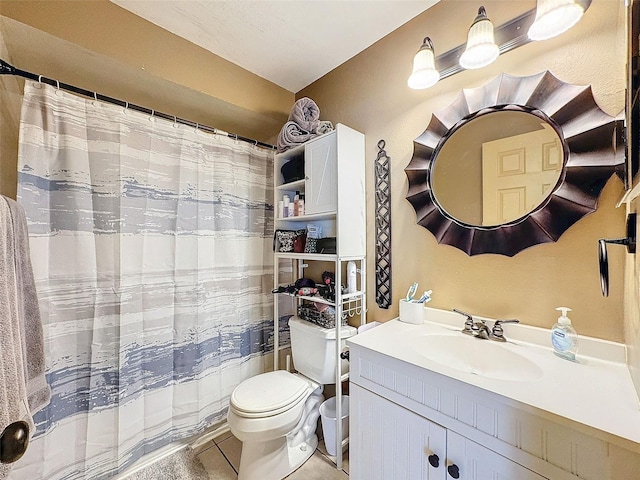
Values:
[(8, 69)]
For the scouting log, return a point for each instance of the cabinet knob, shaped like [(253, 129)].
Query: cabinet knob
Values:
[(453, 470), (434, 460)]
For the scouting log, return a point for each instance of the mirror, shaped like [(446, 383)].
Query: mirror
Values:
[(513, 164), (497, 168)]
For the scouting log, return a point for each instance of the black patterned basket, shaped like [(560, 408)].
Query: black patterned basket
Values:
[(310, 313)]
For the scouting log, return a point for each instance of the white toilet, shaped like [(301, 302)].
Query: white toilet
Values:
[(275, 414)]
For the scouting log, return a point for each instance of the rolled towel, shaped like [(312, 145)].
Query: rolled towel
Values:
[(324, 126), (292, 135), (305, 113)]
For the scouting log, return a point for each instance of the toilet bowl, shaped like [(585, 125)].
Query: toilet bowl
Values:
[(275, 414)]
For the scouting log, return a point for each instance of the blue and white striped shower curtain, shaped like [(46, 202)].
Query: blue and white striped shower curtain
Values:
[(151, 249)]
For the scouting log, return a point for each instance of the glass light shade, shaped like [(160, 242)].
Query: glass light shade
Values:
[(424, 73), (481, 47), (554, 17)]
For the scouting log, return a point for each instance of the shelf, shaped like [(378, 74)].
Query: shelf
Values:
[(307, 218), (319, 299), (328, 257), (311, 298), (297, 185)]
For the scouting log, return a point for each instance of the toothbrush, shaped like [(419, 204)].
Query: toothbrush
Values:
[(426, 297), (412, 292)]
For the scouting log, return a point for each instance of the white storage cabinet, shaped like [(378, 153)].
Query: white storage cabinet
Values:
[(334, 190)]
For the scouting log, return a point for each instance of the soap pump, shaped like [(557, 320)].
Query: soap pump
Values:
[(564, 337)]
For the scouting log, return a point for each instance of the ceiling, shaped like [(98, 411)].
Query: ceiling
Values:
[(291, 43)]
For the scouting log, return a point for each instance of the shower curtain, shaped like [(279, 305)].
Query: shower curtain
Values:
[(151, 249)]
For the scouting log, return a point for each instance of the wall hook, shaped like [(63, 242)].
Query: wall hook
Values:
[(629, 241)]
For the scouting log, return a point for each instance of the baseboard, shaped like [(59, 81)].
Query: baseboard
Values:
[(171, 449), (210, 435), (151, 458)]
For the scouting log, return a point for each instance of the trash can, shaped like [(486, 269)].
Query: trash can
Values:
[(328, 417)]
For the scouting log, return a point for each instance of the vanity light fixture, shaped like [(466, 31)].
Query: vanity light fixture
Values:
[(554, 17), (481, 47), (424, 73), (519, 31)]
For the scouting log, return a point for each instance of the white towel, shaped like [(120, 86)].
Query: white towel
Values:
[(21, 344)]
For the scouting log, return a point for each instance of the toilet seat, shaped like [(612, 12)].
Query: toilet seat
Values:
[(269, 394)]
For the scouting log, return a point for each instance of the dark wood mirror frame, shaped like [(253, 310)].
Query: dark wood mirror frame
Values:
[(593, 147)]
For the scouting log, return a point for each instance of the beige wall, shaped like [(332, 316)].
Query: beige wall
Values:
[(632, 307), (101, 47), (369, 93)]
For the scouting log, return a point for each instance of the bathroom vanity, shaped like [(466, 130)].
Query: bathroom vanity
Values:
[(428, 402)]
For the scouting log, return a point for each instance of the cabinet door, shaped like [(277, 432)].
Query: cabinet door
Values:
[(321, 188), (475, 462), (388, 442)]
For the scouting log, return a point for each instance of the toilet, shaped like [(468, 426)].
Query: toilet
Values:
[(275, 414)]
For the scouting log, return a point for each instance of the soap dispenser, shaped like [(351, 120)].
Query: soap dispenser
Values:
[(564, 337)]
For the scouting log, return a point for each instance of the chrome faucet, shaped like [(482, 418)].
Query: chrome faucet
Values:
[(497, 333), (468, 324), (477, 329), (480, 330)]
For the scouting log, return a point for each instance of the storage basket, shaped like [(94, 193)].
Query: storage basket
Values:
[(325, 319)]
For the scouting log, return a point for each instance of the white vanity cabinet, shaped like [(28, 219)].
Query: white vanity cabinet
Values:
[(406, 408), (475, 462), (389, 442)]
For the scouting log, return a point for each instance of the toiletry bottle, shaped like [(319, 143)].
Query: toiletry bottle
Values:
[(351, 277), (563, 336), (301, 205), (286, 206), (296, 199)]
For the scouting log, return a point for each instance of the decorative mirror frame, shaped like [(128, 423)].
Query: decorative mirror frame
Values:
[(592, 142)]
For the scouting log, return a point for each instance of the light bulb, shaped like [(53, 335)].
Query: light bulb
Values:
[(554, 17), (424, 73)]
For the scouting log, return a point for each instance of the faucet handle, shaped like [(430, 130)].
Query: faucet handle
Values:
[(497, 333), (468, 324)]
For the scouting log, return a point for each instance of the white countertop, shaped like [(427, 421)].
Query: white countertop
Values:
[(596, 390)]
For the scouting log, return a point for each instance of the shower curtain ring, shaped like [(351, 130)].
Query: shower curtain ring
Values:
[(152, 118), (39, 82), (196, 128), (58, 92), (126, 107), (175, 122), (95, 99)]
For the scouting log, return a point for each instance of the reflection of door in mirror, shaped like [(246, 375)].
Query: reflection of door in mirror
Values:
[(497, 168), (518, 174)]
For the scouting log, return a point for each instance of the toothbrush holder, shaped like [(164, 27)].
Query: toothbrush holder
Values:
[(411, 312)]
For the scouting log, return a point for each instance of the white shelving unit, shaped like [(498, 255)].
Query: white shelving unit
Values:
[(334, 190)]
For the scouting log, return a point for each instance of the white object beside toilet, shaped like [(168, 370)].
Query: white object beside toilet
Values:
[(275, 414)]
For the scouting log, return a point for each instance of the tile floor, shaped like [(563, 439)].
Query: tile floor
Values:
[(221, 458)]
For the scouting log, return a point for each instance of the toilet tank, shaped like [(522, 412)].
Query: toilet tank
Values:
[(314, 349)]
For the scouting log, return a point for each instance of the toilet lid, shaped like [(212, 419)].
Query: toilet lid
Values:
[(268, 392)]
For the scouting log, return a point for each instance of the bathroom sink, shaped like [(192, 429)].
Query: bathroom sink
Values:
[(485, 358)]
